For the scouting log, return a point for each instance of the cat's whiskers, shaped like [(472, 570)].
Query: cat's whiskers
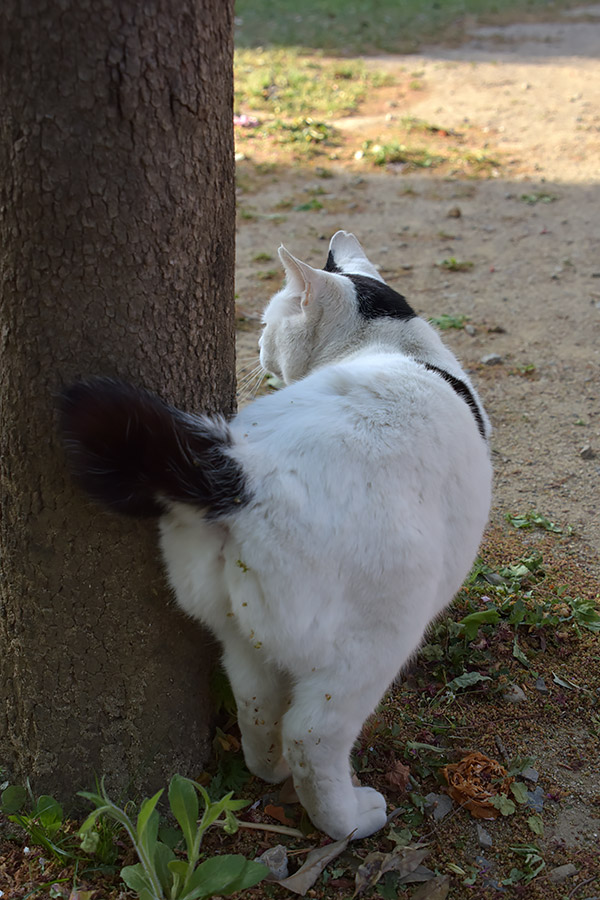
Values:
[(249, 384)]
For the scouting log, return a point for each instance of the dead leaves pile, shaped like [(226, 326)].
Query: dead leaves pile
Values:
[(475, 781)]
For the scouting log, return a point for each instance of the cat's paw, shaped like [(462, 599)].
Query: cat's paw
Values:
[(371, 809)]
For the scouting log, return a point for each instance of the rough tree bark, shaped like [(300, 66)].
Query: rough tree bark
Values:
[(116, 254)]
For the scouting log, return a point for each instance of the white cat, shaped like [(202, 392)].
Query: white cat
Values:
[(320, 530)]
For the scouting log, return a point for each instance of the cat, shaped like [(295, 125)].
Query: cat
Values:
[(320, 530)]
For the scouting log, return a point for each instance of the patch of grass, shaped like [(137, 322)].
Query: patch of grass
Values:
[(357, 26), (445, 321), (394, 153), (262, 257), (309, 206), (538, 197), (285, 83), (451, 264)]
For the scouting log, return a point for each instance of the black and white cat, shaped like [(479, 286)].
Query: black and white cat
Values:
[(320, 530)]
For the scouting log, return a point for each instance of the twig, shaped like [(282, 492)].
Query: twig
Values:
[(277, 829), (582, 884)]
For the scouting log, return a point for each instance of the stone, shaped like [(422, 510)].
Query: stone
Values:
[(484, 838), (275, 858), (586, 452), (438, 805), (561, 873), (514, 694), (530, 774), (540, 685), (535, 799), (492, 359)]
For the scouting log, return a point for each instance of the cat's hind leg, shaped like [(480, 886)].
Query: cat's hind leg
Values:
[(319, 730), (262, 693)]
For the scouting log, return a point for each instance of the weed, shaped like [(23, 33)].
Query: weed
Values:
[(395, 152), (534, 519), (267, 275), (304, 130), (532, 864), (262, 257), (160, 873), (444, 322), (310, 205), (451, 264), (288, 83), (538, 197)]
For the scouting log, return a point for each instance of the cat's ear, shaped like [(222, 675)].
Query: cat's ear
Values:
[(302, 278), (349, 256)]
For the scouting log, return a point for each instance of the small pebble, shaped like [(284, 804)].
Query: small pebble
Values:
[(276, 859), (492, 359), (438, 805), (561, 873), (535, 799), (514, 694), (540, 685), (471, 330), (530, 774), (454, 212), (587, 452), (484, 838)]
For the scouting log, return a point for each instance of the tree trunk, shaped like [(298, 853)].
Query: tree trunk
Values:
[(117, 256)]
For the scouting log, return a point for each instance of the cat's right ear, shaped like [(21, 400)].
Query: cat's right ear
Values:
[(302, 278)]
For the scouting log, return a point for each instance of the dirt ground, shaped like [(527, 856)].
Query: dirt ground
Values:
[(531, 93), (532, 295)]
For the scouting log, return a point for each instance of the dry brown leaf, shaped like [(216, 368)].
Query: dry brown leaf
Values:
[(403, 860), (475, 781), (278, 813), (397, 777), (302, 880), (436, 889)]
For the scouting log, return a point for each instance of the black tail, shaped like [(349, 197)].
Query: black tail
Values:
[(129, 450)]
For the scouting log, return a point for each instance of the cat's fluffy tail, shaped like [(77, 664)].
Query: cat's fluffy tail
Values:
[(132, 451)]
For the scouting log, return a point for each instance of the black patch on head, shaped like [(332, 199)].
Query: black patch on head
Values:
[(377, 299), (330, 265), (129, 449), (463, 391)]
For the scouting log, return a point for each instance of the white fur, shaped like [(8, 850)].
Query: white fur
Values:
[(370, 487)]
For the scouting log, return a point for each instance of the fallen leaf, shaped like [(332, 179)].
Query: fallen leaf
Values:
[(397, 777), (302, 880), (278, 813), (436, 889), (404, 860), (475, 782)]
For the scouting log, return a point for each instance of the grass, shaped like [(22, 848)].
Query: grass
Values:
[(360, 27), (289, 83)]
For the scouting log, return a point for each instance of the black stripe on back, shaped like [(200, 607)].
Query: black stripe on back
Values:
[(463, 391)]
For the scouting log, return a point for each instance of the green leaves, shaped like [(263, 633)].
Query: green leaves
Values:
[(183, 800), (159, 874), (13, 799)]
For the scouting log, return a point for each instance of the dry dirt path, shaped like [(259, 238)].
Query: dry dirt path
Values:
[(532, 295)]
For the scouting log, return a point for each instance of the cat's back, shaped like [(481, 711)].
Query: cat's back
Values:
[(373, 401)]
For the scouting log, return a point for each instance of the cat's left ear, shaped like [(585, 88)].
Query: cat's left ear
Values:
[(346, 253), (305, 280)]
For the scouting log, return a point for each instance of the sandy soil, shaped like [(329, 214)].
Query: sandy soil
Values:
[(533, 294)]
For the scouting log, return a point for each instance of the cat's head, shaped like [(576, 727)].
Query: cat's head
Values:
[(323, 314)]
